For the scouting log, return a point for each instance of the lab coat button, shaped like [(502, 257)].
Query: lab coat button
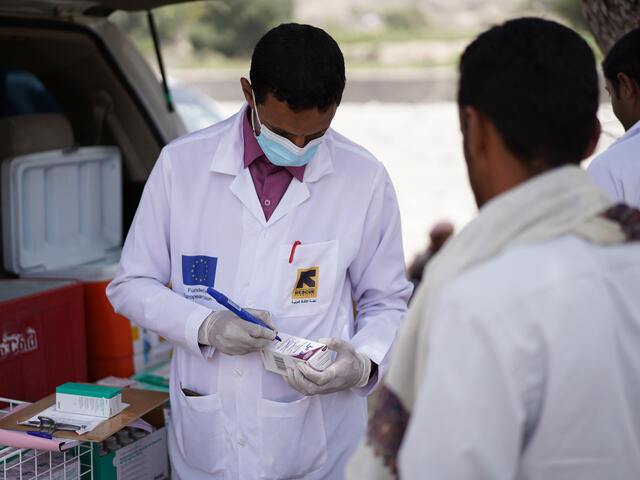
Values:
[(241, 442), (238, 372)]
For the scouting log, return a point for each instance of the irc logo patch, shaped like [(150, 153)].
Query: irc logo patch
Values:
[(306, 284), (199, 270)]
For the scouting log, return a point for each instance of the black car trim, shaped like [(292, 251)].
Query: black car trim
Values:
[(99, 11)]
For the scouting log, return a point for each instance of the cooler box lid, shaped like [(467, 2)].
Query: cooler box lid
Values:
[(61, 209), (17, 288)]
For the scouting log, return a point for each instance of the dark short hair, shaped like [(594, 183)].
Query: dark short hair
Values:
[(301, 65), (624, 57), (536, 80)]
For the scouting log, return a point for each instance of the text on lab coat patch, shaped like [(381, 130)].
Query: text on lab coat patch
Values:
[(306, 286)]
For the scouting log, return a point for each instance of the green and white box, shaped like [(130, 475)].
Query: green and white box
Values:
[(85, 399), (143, 459)]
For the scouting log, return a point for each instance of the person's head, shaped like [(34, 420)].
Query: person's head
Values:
[(621, 69), (528, 97), (297, 79)]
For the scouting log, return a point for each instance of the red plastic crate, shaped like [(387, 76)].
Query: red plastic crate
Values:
[(42, 336)]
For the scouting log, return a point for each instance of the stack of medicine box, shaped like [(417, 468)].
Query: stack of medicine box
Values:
[(85, 399), (149, 349)]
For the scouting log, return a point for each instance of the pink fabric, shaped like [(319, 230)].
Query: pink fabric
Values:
[(271, 181), (17, 439)]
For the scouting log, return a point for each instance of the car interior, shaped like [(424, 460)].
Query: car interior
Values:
[(60, 89)]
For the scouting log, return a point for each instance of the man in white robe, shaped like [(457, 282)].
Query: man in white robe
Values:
[(617, 169), (520, 355)]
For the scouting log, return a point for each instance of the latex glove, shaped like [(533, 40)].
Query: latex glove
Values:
[(350, 369), (234, 336)]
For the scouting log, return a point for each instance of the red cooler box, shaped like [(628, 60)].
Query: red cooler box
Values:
[(42, 337)]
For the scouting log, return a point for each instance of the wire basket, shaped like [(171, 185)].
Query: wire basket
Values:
[(21, 463)]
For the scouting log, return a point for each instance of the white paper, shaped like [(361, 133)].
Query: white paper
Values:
[(86, 423), (141, 424), (116, 382)]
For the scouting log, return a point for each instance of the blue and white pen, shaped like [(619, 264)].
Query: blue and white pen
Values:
[(238, 310)]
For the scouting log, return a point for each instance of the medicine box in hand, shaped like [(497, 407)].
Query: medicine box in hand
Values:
[(96, 400), (277, 356)]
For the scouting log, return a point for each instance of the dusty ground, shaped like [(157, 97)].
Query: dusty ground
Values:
[(420, 145)]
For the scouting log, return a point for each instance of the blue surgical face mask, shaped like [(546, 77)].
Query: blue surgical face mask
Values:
[(281, 151)]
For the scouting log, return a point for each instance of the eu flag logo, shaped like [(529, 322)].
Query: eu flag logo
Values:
[(199, 270)]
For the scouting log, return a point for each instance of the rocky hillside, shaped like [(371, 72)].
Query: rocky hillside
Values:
[(457, 14)]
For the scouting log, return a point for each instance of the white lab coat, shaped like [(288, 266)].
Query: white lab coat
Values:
[(617, 169), (199, 200), (533, 369)]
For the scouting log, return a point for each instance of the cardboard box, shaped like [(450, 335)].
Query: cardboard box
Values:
[(144, 458), (85, 399), (151, 357), (277, 357), (155, 378)]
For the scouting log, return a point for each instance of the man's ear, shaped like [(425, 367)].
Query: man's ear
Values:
[(627, 87), (247, 91), (593, 141), (474, 129)]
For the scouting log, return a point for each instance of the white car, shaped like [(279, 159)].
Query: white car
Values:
[(196, 109)]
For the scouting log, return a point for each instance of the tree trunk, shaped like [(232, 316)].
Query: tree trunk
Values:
[(611, 19)]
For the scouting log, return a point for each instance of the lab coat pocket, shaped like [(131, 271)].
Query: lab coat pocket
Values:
[(200, 431), (305, 278), (293, 438)]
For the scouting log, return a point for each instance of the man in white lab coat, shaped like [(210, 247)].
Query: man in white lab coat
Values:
[(520, 355), (287, 217), (617, 170)]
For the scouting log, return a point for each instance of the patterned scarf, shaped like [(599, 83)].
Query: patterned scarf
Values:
[(558, 202)]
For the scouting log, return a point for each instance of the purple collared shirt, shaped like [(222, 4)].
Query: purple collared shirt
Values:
[(271, 181)]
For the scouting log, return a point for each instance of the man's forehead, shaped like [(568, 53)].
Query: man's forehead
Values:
[(280, 116)]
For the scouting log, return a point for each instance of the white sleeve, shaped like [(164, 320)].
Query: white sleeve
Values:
[(139, 290), (470, 415), (601, 175), (378, 277)]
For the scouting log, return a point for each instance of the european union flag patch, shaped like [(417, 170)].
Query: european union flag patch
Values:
[(199, 270)]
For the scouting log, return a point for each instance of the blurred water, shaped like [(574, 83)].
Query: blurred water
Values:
[(421, 146)]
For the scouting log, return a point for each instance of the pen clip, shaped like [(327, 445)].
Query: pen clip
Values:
[(293, 250)]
